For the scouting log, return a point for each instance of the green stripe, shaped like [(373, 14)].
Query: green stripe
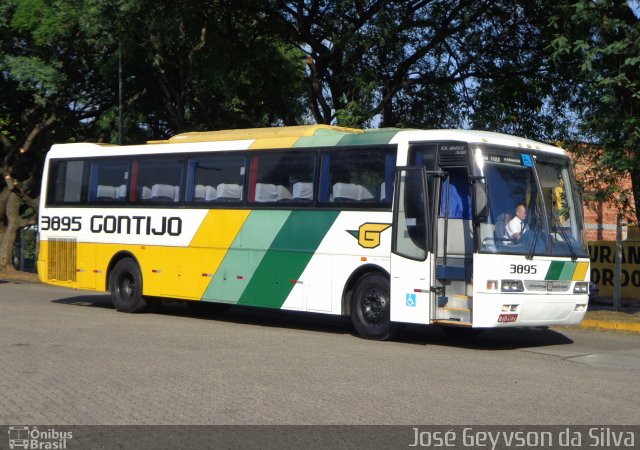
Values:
[(369, 137), (290, 252), (555, 269), (244, 255), (559, 270), (568, 270), (322, 138)]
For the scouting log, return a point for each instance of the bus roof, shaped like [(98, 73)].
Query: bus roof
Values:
[(476, 137), (312, 136), (296, 131)]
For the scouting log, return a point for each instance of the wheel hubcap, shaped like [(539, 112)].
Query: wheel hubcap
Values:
[(127, 288), (372, 306)]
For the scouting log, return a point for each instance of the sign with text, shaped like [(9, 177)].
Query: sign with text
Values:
[(603, 267)]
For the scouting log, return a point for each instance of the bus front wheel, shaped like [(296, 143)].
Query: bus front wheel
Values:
[(125, 284), (370, 307)]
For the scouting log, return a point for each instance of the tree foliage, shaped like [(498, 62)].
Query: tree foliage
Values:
[(193, 65), (427, 63), (43, 80), (598, 45)]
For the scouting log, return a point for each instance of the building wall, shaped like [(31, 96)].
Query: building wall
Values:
[(600, 216)]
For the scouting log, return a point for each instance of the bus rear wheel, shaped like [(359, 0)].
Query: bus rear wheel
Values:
[(370, 307), (125, 285)]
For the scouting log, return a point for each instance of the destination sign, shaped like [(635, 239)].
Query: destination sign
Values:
[(503, 159)]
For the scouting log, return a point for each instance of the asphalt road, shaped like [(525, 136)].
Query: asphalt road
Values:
[(69, 358)]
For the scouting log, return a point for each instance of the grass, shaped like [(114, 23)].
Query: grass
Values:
[(630, 314)]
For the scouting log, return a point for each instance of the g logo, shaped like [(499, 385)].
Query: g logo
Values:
[(368, 234)]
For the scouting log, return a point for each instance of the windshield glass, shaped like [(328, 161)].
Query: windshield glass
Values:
[(533, 206)]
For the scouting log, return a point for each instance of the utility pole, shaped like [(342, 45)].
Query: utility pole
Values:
[(617, 275), (119, 91)]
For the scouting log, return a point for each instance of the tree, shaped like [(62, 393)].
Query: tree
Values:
[(192, 66), (598, 45), (428, 63), (45, 82)]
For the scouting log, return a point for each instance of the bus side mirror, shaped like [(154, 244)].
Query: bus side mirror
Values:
[(480, 201)]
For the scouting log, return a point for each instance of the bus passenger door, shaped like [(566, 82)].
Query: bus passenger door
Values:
[(411, 271)]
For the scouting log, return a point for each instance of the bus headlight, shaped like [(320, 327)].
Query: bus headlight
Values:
[(512, 286), (581, 287)]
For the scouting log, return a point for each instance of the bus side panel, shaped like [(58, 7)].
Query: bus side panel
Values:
[(239, 263), (342, 251), (298, 259), (41, 264), (86, 266), (318, 281), (170, 271), (286, 259), (174, 272), (216, 238)]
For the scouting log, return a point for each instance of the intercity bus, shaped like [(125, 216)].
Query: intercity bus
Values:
[(387, 226)]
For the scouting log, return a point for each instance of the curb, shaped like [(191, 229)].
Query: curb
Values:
[(609, 325)]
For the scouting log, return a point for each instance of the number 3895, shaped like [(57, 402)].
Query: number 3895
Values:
[(527, 269), (56, 223)]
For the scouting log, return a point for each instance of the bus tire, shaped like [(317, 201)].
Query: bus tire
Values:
[(370, 307), (125, 285)]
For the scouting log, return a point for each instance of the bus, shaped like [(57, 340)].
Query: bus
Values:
[(387, 226)]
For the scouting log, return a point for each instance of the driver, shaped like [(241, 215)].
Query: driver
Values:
[(518, 225)]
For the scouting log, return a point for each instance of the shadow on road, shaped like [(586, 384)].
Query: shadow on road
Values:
[(489, 339), (98, 301)]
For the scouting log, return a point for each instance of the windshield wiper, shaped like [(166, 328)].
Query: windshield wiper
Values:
[(535, 240), (574, 255), (538, 231)]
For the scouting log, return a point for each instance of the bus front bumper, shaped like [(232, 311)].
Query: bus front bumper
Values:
[(528, 310)]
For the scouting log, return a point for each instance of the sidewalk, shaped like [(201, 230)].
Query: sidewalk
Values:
[(600, 315)]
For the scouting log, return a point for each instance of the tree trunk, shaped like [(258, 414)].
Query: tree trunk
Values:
[(7, 241), (9, 233)]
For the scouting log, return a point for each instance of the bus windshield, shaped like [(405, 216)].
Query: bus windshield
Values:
[(533, 204)]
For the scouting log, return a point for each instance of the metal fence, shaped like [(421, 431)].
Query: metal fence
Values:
[(25, 250)]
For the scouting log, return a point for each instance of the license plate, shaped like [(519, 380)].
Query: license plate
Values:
[(505, 318)]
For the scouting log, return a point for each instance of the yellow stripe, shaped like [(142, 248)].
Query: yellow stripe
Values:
[(212, 241), (293, 132), (219, 228), (279, 142), (581, 271)]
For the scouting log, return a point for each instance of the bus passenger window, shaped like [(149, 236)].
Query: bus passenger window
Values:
[(159, 180), (358, 177), (216, 178), (109, 180), (284, 177), (66, 182)]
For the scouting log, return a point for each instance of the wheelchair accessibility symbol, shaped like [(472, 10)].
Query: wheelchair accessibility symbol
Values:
[(411, 300)]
